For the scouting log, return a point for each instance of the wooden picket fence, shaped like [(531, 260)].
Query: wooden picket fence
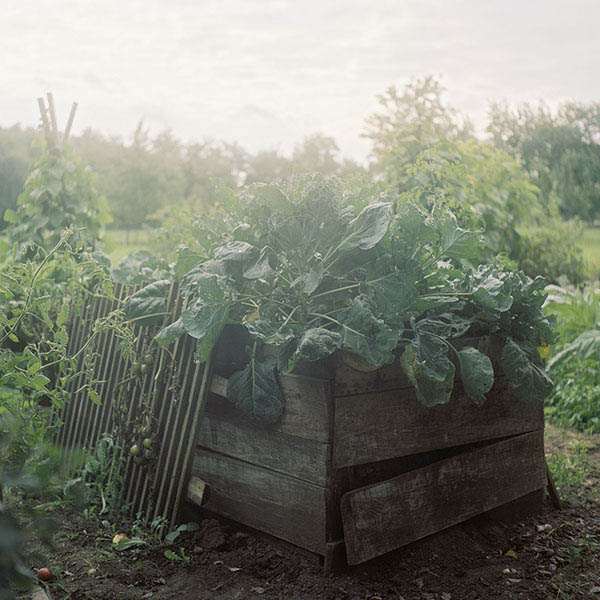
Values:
[(156, 488)]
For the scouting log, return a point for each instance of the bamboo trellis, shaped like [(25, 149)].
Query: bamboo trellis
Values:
[(155, 488)]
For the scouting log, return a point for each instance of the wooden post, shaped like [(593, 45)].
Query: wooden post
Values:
[(70, 121), (52, 113), (44, 115)]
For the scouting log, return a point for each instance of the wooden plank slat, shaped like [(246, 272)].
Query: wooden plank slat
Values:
[(377, 426), (283, 506), (299, 457), (385, 516), (306, 412)]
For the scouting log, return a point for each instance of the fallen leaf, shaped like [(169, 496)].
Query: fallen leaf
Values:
[(595, 590), (446, 596), (234, 569), (506, 571), (218, 562), (511, 554), (258, 590), (514, 580), (544, 528)]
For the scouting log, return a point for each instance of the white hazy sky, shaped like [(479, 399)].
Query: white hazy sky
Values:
[(266, 73)]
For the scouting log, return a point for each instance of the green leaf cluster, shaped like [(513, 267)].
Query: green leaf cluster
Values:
[(309, 268)]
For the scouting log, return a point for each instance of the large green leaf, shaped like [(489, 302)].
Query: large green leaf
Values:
[(235, 252), (457, 242), (430, 391), (366, 335), (256, 392), (205, 323), (170, 333), (490, 295), (368, 227), (317, 343), (148, 305), (525, 371), (265, 331), (477, 373), (431, 354)]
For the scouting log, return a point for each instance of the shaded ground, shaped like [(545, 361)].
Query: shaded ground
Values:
[(553, 555)]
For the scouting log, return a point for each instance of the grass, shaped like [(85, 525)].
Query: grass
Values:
[(121, 242), (591, 251)]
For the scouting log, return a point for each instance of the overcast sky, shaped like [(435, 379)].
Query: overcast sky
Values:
[(266, 73)]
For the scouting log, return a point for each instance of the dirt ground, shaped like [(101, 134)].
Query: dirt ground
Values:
[(555, 554)]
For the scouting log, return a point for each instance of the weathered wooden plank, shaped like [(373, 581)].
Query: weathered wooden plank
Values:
[(377, 426), (299, 457), (283, 506), (306, 407), (385, 516)]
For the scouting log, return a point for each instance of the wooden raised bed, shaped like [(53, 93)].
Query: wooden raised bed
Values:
[(357, 464)]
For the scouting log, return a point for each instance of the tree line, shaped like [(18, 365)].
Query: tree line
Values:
[(557, 152)]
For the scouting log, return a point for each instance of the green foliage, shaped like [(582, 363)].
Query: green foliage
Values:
[(59, 193), (560, 152), (570, 469), (422, 151), (309, 269), (574, 363), (410, 122), (574, 400), (16, 155)]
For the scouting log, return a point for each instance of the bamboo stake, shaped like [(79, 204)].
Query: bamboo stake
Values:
[(52, 115), (45, 123), (70, 121)]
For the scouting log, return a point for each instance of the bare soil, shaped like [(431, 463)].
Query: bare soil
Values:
[(555, 554)]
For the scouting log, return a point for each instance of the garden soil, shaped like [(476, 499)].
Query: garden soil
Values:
[(555, 554)]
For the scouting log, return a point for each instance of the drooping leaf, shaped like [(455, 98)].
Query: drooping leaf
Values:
[(205, 323), (317, 343), (256, 392), (431, 354), (285, 364), (525, 371), (367, 335), (148, 305), (170, 333), (265, 331), (430, 391), (235, 252), (477, 373)]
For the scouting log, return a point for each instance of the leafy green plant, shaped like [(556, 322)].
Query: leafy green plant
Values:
[(570, 469), (308, 270), (574, 399), (180, 556), (575, 362), (59, 193)]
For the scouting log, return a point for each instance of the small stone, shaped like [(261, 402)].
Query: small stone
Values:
[(198, 550)]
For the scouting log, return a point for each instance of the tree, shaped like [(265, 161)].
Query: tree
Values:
[(560, 152), (410, 122), (16, 156)]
